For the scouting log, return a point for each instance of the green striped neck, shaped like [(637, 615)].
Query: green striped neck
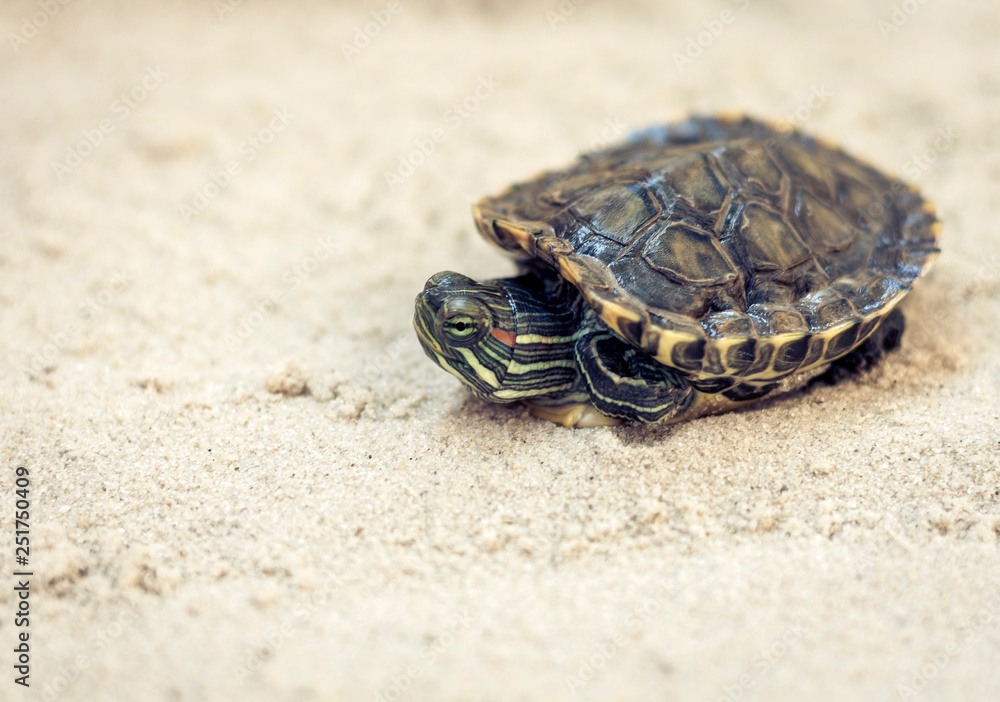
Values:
[(507, 339)]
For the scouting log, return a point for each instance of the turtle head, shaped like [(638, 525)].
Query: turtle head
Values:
[(468, 328), (507, 339)]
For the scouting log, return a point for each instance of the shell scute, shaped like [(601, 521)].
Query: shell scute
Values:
[(769, 242), (693, 179), (791, 354), (828, 231), (752, 164), (842, 342), (689, 256), (617, 211)]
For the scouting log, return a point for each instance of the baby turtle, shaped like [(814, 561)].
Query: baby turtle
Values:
[(684, 272)]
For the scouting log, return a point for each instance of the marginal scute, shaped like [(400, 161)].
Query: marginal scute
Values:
[(740, 356), (587, 274), (651, 339), (676, 326), (791, 354), (915, 258), (729, 324), (712, 364), (689, 256), (762, 364), (630, 329), (620, 313), (842, 342), (868, 326), (866, 290), (922, 228), (814, 354), (777, 319), (511, 235), (687, 356), (827, 309), (554, 245)]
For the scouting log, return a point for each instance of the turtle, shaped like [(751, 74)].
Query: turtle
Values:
[(691, 269)]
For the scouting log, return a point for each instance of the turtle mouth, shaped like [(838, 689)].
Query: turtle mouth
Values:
[(426, 306), (453, 326), (425, 323)]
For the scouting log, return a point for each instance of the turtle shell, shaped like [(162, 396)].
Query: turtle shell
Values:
[(728, 249)]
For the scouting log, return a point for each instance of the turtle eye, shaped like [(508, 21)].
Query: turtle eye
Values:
[(463, 322), (460, 328)]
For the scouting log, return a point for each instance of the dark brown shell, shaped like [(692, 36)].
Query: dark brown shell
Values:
[(727, 248)]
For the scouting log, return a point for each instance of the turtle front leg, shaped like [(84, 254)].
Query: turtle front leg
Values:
[(625, 383)]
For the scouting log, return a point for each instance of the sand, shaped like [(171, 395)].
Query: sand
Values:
[(247, 481)]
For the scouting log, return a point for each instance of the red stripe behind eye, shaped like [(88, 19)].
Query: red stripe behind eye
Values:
[(504, 336)]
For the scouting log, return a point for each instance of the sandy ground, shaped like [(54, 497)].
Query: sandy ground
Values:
[(247, 481)]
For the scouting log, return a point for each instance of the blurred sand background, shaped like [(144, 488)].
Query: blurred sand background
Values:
[(249, 483)]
